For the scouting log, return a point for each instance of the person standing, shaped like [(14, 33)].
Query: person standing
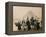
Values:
[(28, 24)]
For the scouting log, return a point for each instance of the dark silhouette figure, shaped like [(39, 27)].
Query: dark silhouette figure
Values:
[(38, 27), (32, 21), (19, 25), (28, 24)]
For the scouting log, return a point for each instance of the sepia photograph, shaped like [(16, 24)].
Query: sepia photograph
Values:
[(27, 19)]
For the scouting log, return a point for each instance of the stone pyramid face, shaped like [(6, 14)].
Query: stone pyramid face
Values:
[(29, 14)]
